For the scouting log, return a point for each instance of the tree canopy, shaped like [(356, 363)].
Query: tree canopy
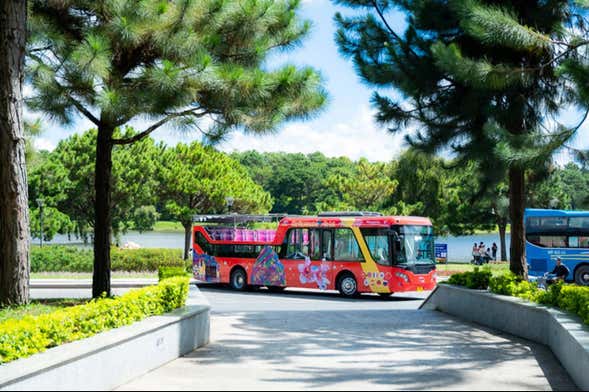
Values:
[(65, 181), (196, 179), (197, 65), (481, 78)]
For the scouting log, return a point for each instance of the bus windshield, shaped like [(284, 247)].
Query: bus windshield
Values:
[(417, 245)]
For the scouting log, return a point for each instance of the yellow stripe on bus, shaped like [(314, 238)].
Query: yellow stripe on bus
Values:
[(369, 265)]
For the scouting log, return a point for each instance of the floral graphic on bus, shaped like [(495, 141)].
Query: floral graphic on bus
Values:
[(205, 268), (312, 273), (376, 279), (268, 270)]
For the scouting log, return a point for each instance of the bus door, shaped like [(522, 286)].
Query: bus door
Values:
[(304, 259)]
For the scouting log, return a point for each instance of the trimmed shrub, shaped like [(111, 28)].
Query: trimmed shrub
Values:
[(575, 299), (572, 298), (24, 337), (170, 272), (477, 279), (71, 259)]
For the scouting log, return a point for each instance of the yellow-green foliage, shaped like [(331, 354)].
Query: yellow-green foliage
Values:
[(572, 298), (30, 335), (170, 272), (477, 279), (575, 299)]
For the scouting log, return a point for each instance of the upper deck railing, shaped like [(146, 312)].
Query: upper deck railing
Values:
[(236, 218)]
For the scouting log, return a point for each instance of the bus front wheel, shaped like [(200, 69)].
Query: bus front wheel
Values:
[(238, 279), (582, 275), (347, 285)]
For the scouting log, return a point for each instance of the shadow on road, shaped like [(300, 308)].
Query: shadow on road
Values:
[(400, 349), (323, 295)]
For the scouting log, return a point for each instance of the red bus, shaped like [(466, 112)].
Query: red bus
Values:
[(349, 252)]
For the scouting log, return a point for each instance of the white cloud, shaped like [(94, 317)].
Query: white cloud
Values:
[(360, 137), (44, 144)]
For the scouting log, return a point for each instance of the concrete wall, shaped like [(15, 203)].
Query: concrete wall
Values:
[(565, 334), (114, 357)]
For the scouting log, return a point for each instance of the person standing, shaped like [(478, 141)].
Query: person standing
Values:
[(476, 254), (494, 251)]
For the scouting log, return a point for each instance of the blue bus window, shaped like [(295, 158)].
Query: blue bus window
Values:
[(553, 222), (579, 223), (533, 223), (573, 242)]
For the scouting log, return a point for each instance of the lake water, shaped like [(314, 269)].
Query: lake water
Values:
[(459, 248)]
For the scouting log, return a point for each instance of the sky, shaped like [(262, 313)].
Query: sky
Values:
[(345, 127)]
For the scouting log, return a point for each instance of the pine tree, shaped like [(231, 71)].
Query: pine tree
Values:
[(172, 62), (480, 78), (14, 217)]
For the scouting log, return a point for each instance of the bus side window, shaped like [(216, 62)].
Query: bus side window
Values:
[(315, 244), (346, 247), (327, 244), (297, 246)]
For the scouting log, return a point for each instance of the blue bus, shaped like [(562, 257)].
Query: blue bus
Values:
[(558, 233)]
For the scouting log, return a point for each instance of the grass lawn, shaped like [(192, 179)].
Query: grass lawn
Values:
[(37, 307), (497, 268), (88, 275), (168, 226)]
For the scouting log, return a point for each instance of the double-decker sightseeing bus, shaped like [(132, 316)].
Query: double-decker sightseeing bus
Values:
[(350, 252), (558, 233)]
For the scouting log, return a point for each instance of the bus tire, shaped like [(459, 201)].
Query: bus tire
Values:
[(347, 285), (582, 275), (276, 289), (238, 280)]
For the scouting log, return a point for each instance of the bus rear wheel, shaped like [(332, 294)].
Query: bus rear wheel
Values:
[(238, 279), (347, 285), (582, 275)]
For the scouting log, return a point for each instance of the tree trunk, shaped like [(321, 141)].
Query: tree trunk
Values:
[(502, 228), (14, 213), (102, 211), (187, 237), (517, 263)]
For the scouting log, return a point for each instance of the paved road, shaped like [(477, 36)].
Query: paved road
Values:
[(308, 340)]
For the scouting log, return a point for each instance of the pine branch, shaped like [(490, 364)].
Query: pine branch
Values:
[(163, 121), (401, 42), (84, 111)]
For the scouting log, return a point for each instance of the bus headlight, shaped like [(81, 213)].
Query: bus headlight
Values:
[(402, 276)]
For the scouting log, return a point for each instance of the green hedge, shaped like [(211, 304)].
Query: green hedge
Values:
[(477, 279), (171, 272), (572, 298), (30, 335), (72, 259)]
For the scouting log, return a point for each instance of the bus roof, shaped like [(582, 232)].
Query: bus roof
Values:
[(369, 221), (547, 212)]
